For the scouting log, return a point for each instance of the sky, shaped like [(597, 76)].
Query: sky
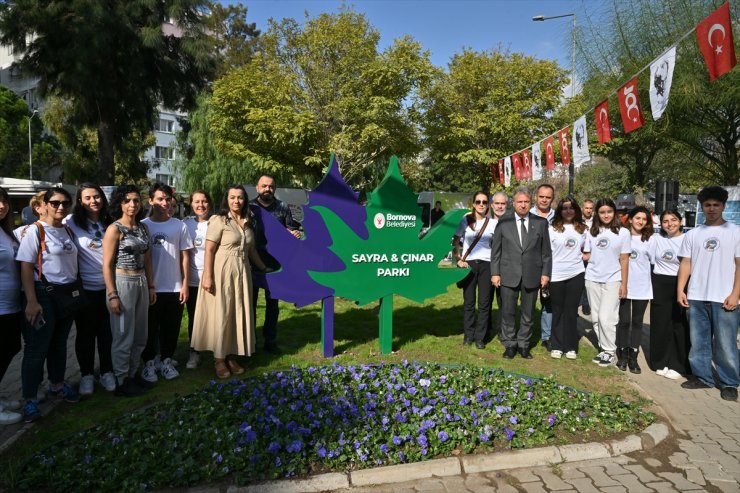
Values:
[(446, 27)]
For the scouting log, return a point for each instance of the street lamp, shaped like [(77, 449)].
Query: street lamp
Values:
[(30, 152), (571, 168)]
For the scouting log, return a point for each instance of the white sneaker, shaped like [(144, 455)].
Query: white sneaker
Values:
[(571, 355), (662, 372), (556, 354), (672, 374), (607, 359), (10, 405), (168, 370), (193, 360), (108, 381), (9, 417), (597, 359), (87, 385), (149, 373)]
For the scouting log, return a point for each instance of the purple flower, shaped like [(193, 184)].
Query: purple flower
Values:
[(551, 419), (411, 390), (513, 420), (464, 401), (450, 391), (442, 379), (509, 433), (401, 457), (443, 436), (397, 440), (219, 459), (484, 437), (384, 448), (422, 440), (529, 396), (424, 382), (321, 452), (273, 448)]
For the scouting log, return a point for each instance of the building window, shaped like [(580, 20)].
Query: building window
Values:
[(167, 126), (166, 179), (164, 153)]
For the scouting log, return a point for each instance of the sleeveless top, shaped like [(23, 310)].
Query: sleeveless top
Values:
[(131, 248)]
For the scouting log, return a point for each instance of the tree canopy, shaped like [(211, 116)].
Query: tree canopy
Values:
[(318, 89), (115, 60)]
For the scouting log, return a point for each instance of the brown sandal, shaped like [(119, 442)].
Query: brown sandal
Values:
[(221, 370), (235, 367)]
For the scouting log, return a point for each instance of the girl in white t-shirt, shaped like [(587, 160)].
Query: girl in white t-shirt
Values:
[(88, 222), (639, 289), (197, 225), (669, 324), (608, 248), (11, 315), (567, 237), (478, 260), (46, 331)]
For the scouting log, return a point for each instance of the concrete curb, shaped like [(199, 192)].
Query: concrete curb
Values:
[(455, 466)]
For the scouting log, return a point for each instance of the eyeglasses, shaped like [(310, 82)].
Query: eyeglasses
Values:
[(481, 202), (56, 203)]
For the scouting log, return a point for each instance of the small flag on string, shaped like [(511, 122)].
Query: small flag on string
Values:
[(564, 151), (714, 36), (661, 77), (629, 106), (501, 178), (549, 153), (536, 161), (517, 161), (507, 171), (526, 164), (580, 142), (601, 120)]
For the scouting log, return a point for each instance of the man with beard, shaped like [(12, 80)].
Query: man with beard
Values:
[(267, 202)]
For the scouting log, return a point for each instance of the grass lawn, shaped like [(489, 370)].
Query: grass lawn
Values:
[(426, 333)]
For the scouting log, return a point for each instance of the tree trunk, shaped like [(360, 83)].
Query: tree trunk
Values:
[(107, 172)]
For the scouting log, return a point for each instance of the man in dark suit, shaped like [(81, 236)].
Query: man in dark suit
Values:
[(521, 262)]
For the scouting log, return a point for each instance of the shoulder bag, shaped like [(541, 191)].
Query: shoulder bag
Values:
[(464, 281)]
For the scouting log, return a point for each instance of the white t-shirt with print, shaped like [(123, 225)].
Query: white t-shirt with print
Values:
[(59, 259), (10, 277), (639, 283), (168, 239), (567, 256), (90, 252), (605, 248), (665, 254), (482, 249), (197, 232), (712, 250)]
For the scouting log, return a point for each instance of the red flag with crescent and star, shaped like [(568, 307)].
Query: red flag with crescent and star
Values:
[(501, 178), (601, 120), (564, 150), (526, 164), (549, 153), (714, 36), (516, 161), (629, 106)]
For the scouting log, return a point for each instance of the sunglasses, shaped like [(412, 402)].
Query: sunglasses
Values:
[(481, 202), (98, 232), (56, 203)]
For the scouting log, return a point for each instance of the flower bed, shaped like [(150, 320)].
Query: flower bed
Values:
[(302, 420)]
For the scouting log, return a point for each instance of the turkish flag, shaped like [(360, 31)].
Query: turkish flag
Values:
[(549, 153), (629, 106), (714, 36), (517, 161), (564, 150), (501, 177), (601, 120), (527, 164)]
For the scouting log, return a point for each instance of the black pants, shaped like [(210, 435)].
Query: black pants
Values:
[(478, 280), (272, 312), (669, 328), (492, 329), (10, 339), (629, 328), (564, 299), (93, 323), (190, 305), (165, 317)]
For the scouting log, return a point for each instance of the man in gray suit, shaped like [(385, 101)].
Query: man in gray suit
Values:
[(521, 262)]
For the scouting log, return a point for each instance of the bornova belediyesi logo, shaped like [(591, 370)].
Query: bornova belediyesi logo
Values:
[(389, 220)]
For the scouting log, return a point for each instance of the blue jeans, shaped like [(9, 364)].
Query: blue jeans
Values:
[(47, 343), (545, 319), (710, 323)]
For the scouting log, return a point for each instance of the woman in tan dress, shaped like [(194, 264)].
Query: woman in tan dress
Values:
[(224, 322)]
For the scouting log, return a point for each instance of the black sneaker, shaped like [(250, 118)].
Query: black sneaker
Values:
[(695, 383), (140, 382), (728, 393), (128, 389)]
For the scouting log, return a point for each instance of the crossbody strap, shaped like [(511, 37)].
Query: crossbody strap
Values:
[(42, 247), (475, 240)]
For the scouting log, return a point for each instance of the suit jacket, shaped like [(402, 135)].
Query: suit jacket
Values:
[(521, 264)]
